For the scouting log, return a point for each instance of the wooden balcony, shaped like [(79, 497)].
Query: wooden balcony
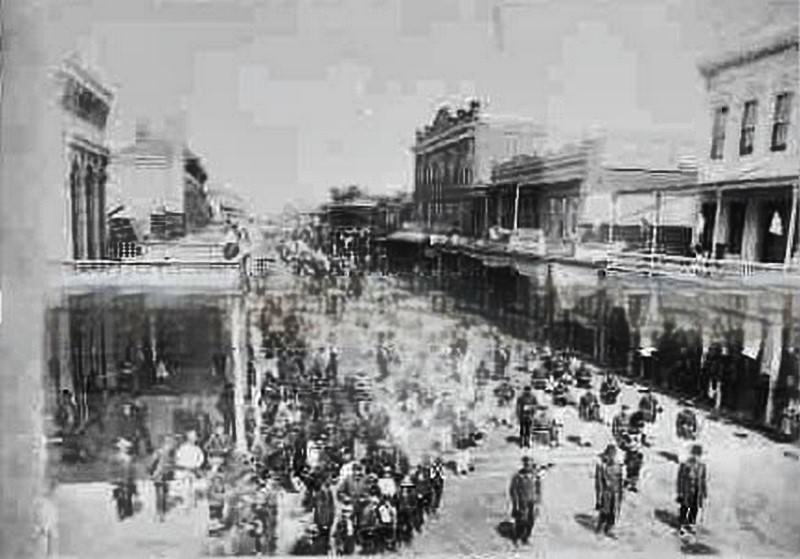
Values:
[(145, 274)]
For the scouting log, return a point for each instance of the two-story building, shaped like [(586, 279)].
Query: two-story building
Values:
[(749, 175), (453, 160), (85, 104), (567, 195), (745, 203)]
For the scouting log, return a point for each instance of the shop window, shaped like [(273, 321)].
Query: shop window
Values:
[(718, 133), (748, 128), (780, 126)]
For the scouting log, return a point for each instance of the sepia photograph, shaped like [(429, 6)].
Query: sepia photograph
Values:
[(435, 278)]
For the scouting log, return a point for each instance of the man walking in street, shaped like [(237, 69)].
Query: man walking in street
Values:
[(608, 490), (161, 471), (525, 492), (526, 404), (619, 425), (692, 489)]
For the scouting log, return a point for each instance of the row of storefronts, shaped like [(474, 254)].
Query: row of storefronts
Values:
[(678, 337)]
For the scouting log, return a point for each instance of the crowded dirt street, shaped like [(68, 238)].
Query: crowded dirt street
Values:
[(750, 510)]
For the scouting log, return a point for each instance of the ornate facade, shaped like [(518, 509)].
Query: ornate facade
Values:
[(86, 105), (453, 158)]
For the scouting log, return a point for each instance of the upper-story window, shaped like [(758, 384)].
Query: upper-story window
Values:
[(748, 128), (718, 133), (780, 122)]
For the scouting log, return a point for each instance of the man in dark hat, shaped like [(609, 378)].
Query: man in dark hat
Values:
[(632, 442), (324, 510), (525, 492), (526, 404), (608, 490), (686, 423), (648, 405), (619, 425), (692, 490)]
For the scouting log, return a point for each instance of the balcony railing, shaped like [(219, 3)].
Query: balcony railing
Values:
[(653, 264), (142, 273), (187, 250)]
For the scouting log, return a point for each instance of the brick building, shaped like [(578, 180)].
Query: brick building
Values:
[(453, 159)]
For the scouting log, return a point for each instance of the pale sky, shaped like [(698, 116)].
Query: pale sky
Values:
[(284, 99)]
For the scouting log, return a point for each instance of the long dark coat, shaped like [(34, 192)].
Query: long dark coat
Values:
[(692, 482), (608, 487)]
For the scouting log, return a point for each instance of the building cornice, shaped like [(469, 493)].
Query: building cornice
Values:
[(775, 44), (77, 140), (71, 68)]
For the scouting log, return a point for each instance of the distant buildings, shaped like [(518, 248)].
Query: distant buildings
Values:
[(569, 195), (163, 182), (85, 105), (453, 158)]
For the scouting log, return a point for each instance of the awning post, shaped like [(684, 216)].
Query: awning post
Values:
[(792, 227)]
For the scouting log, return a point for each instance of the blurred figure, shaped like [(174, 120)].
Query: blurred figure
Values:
[(608, 490), (189, 459), (219, 443), (67, 413), (692, 489), (525, 492), (225, 405), (526, 405), (162, 471), (386, 484), (123, 478)]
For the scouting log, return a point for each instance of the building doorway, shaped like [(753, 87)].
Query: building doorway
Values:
[(775, 223)]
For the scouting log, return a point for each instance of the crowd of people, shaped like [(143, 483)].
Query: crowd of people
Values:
[(316, 432), (628, 429)]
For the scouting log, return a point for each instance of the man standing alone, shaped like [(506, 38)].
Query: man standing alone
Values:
[(525, 493), (692, 489), (526, 405), (608, 490)]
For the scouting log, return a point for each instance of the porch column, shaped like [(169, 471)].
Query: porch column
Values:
[(657, 222), (81, 217), (717, 218), (516, 208), (257, 341), (771, 361), (498, 213), (238, 326), (792, 227), (485, 224), (614, 213), (153, 336), (64, 342)]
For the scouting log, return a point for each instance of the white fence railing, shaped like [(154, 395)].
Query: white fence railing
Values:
[(153, 273), (669, 265), (166, 250)]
